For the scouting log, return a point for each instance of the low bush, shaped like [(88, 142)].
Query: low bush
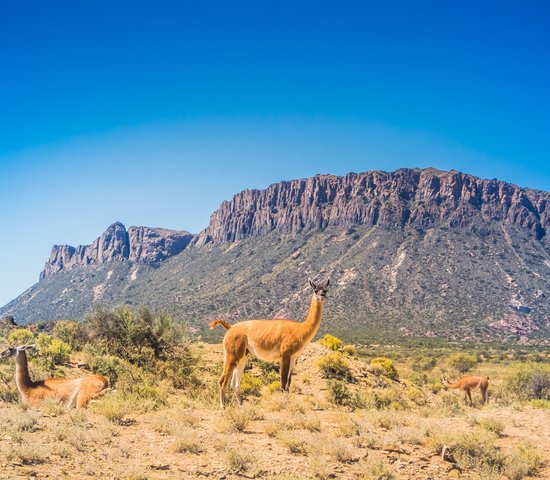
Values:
[(52, 352), (251, 385), (331, 342), (529, 381), (241, 462), (386, 366), (188, 442), (339, 393), (524, 460), (21, 336), (349, 350), (72, 333), (335, 366), (462, 362), (476, 450)]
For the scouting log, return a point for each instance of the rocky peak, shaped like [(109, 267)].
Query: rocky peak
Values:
[(404, 198), (137, 244)]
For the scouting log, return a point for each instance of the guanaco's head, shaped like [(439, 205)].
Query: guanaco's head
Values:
[(320, 290), (11, 352)]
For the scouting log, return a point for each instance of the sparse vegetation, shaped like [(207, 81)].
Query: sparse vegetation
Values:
[(331, 342), (462, 362), (385, 367), (335, 366), (323, 426)]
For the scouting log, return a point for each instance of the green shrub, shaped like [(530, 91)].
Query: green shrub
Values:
[(20, 336), (331, 342), (387, 366), (251, 385), (335, 366), (137, 336), (462, 362), (540, 403), (424, 364), (72, 333), (349, 350), (529, 381), (522, 461), (338, 391), (179, 368), (52, 352), (8, 389), (109, 366), (476, 449), (274, 386)]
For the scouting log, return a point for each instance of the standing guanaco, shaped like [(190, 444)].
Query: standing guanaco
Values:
[(467, 384), (270, 340)]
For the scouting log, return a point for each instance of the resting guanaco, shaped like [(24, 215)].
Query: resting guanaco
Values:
[(270, 340), (74, 392), (469, 383)]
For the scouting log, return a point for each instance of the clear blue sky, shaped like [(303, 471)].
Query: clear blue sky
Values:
[(153, 113)]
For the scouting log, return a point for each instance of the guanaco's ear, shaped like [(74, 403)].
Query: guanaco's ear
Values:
[(6, 353), (26, 347), (327, 283), (312, 284)]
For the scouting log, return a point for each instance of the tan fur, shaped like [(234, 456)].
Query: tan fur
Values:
[(223, 323), (467, 384), (270, 340), (73, 392)]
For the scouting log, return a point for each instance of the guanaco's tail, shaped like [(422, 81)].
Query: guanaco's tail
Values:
[(223, 323)]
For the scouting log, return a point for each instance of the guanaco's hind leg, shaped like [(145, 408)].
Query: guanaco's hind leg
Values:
[(484, 397), (235, 351), (228, 369), (237, 379), (285, 373), (290, 372)]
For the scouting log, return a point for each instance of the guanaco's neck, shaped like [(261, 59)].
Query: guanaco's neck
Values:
[(313, 319), (22, 377)]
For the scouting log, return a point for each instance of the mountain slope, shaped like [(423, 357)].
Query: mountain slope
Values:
[(419, 256)]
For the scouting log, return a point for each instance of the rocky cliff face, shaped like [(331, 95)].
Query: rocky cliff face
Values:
[(137, 244), (407, 197), (412, 252)]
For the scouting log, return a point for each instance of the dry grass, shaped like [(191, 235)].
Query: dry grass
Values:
[(28, 454), (53, 407), (347, 426), (376, 469), (523, 460), (297, 435), (113, 407), (294, 442), (188, 442), (341, 451), (310, 422), (237, 419), (319, 468), (242, 462)]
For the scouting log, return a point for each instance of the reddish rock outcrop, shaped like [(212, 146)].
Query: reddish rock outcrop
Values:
[(137, 244), (406, 197)]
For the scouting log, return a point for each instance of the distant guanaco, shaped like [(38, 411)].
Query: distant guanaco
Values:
[(467, 384), (73, 392), (270, 340)]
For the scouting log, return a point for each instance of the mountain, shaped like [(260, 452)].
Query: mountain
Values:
[(137, 245), (411, 252)]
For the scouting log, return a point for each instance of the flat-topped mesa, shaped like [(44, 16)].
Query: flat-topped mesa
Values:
[(137, 244), (406, 197)]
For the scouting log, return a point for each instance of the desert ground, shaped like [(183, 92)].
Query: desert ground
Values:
[(367, 425)]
